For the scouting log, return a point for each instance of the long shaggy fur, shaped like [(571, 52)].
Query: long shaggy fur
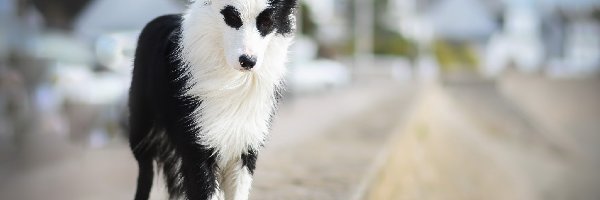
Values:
[(197, 112)]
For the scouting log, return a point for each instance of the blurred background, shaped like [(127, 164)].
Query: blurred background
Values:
[(386, 99)]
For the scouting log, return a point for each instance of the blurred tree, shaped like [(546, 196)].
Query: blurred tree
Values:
[(308, 24), (308, 28), (22, 6), (386, 41), (453, 56), (58, 14), (596, 14)]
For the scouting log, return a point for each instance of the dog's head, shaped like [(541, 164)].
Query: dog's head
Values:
[(248, 26)]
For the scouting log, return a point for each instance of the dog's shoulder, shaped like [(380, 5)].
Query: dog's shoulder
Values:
[(165, 22), (158, 39), (162, 28)]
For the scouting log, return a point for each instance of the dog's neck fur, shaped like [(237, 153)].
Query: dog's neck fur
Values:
[(236, 108)]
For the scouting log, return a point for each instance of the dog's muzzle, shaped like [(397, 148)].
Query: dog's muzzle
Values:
[(247, 62)]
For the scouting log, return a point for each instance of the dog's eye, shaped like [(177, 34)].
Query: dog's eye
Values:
[(264, 22), (232, 17)]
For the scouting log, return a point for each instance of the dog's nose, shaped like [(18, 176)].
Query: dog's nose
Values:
[(247, 61)]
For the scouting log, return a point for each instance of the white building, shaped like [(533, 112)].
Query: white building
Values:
[(558, 38), (519, 44)]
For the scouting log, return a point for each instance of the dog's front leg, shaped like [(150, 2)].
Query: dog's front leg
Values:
[(237, 177), (237, 181), (199, 174)]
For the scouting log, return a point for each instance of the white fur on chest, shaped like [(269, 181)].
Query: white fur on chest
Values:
[(236, 118), (236, 106)]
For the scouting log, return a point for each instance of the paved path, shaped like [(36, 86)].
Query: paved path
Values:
[(566, 111), (520, 138), (327, 151), (320, 146), (510, 140)]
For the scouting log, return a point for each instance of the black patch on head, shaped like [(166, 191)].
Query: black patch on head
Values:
[(232, 17), (249, 160), (264, 22), (283, 11)]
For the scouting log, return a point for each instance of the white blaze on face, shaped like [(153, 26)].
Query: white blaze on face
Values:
[(241, 36)]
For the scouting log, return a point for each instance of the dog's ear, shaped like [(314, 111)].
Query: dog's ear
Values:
[(284, 5), (292, 3), (285, 18)]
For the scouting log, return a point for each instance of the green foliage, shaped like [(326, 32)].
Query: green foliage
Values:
[(308, 24), (385, 41), (391, 43), (388, 42), (596, 14), (455, 56)]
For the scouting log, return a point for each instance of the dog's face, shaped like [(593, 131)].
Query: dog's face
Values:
[(248, 26)]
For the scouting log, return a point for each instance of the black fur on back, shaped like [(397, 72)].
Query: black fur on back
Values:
[(162, 129)]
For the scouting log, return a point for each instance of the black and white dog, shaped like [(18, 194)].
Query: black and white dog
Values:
[(205, 86)]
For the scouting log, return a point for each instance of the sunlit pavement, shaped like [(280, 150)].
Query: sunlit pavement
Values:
[(323, 147), (522, 137), (301, 131)]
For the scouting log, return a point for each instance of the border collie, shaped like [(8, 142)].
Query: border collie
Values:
[(204, 89)]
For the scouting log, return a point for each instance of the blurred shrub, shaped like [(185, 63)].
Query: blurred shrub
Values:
[(58, 14), (308, 24), (394, 44), (453, 56), (385, 41), (596, 14)]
